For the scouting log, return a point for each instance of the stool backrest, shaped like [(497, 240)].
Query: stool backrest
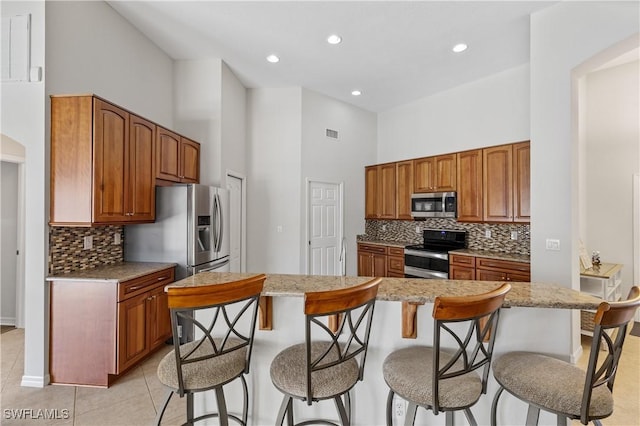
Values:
[(610, 317), (479, 314), (354, 308), (229, 325)]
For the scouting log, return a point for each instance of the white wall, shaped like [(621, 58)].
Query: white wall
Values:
[(92, 49), (273, 173), (234, 113), (490, 111), (612, 145), (197, 94), (23, 119), (341, 160)]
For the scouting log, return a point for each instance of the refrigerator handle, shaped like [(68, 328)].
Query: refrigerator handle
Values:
[(219, 222), (214, 225)]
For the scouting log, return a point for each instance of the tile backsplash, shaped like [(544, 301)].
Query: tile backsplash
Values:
[(411, 231), (67, 252)]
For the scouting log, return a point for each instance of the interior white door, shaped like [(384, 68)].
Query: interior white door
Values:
[(324, 229), (234, 185)]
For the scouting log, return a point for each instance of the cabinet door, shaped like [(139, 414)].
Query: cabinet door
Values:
[(167, 155), (469, 178), (444, 169), (379, 265), (159, 318), (387, 190), (189, 161), (498, 183), (110, 157), (371, 192), (404, 189), (365, 264), (484, 275), (423, 172), (521, 182), (461, 273), (140, 178), (133, 341)]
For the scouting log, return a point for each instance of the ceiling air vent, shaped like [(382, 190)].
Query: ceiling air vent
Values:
[(332, 134)]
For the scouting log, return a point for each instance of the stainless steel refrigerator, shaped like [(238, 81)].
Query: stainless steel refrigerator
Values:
[(191, 229)]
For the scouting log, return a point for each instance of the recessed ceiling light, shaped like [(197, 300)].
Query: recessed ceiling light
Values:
[(356, 93), (334, 39), (460, 47), (273, 59)]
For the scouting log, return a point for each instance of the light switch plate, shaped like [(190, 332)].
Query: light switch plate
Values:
[(552, 244), (487, 233), (514, 235), (88, 242)]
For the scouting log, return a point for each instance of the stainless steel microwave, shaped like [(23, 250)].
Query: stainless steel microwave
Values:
[(434, 204)]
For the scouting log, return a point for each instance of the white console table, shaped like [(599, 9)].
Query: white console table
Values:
[(603, 281)]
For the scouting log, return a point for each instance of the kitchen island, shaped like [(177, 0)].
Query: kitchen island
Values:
[(534, 308)]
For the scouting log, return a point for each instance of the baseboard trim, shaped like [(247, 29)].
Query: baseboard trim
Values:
[(35, 381), (8, 321), (576, 355)]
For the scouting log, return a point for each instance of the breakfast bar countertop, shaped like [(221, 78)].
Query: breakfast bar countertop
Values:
[(522, 294)]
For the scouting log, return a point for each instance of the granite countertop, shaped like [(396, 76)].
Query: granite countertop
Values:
[(493, 255), (119, 272), (386, 243), (522, 294)]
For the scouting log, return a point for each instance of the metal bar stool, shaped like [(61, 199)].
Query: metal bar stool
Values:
[(445, 379), (328, 364), (223, 351), (556, 386)]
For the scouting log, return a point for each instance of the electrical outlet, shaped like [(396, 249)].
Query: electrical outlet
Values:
[(417, 229), (399, 407), (179, 331), (552, 244), (88, 242), (116, 238), (514, 235), (487, 233), (384, 228)]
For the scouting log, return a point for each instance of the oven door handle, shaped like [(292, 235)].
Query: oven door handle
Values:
[(424, 273), (429, 254)]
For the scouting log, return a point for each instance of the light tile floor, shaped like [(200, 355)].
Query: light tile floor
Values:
[(134, 398)]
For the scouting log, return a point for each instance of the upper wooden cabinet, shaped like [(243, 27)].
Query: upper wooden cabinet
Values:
[(178, 158), (506, 183), (380, 191), (433, 174), (522, 182), (101, 163), (470, 186), (404, 189)]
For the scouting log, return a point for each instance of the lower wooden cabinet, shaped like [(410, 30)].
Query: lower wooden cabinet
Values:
[(100, 329), (372, 260), (395, 262), (462, 267)]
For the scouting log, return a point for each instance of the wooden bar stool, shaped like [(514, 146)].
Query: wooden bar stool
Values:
[(223, 351), (328, 365), (445, 379), (556, 386)]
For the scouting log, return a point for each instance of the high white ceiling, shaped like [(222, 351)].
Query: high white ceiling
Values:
[(393, 51)]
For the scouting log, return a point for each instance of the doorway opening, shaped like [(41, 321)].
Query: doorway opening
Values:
[(12, 167), (236, 184)]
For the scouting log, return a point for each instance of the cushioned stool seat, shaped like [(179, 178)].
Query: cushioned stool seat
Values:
[(204, 374), (289, 372), (404, 371), (556, 386), (551, 383)]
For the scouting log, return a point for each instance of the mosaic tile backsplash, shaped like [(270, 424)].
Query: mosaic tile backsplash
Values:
[(67, 253), (411, 231)]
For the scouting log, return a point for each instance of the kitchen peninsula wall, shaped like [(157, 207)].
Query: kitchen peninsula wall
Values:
[(67, 253), (500, 241)]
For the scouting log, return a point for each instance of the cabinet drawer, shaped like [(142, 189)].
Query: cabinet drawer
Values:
[(460, 260), (372, 248), (396, 251), (136, 286), (503, 265)]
